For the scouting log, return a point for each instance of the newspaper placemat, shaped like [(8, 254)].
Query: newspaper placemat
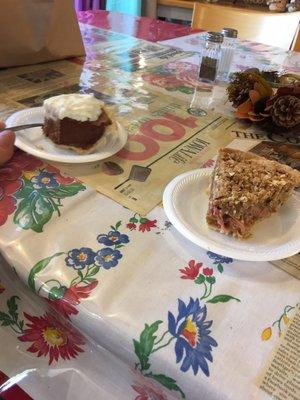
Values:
[(25, 87), (254, 132), (165, 143), (281, 377), (291, 265), (288, 154)]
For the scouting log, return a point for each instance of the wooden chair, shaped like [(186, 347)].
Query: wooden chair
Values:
[(176, 9), (275, 29), (176, 3)]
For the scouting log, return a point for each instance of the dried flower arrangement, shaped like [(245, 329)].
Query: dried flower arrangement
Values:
[(254, 98)]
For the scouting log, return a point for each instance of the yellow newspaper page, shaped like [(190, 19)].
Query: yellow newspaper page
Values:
[(26, 87), (281, 378), (290, 265), (166, 142)]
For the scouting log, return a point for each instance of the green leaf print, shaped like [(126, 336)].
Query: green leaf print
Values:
[(12, 307), (143, 220), (149, 344), (57, 292), (186, 89), (144, 364), (25, 190), (200, 279), (144, 347), (11, 318), (80, 274), (220, 268), (38, 205), (65, 190), (38, 267), (34, 212), (222, 298), (5, 319), (118, 224), (211, 279), (167, 382)]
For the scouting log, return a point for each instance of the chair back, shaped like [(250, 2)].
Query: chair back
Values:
[(274, 29)]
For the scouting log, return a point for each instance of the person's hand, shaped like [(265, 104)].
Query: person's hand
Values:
[(7, 139)]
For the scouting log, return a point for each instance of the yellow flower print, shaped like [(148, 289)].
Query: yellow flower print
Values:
[(266, 333), (29, 174), (284, 319)]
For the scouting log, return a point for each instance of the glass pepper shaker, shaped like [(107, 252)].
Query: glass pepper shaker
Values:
[(211, 55), (227, 52)]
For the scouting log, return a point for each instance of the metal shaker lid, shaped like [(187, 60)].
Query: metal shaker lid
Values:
[(229, 32), (215, 37)]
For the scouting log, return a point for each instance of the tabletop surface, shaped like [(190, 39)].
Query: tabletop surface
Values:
[(140, 27), (138, 311)]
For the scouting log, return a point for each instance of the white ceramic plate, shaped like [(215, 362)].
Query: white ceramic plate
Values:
[(185, 202), (34, 142)]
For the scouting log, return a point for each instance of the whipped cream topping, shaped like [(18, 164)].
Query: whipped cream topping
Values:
[(81, 107)]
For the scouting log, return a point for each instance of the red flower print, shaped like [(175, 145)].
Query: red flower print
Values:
[(9, 172), (192, 271), (60, 178), (131, 226), (148, 392), (66, 305), (189, 74), (7, 207), (194, 41), (208, 271), (185, 71), (10, 187), (25, 162), (147, 388), (49, 336), (10, 181), (2, 288), (147, 224), (164, 81), (208, 164)]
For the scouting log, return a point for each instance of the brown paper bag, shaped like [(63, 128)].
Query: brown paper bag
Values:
[(34, 31)]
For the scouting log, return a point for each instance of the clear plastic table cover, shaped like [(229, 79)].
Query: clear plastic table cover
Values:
[(96, 374), (124, 306)]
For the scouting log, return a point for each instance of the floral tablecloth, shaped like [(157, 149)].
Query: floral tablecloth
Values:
[(131, 309)]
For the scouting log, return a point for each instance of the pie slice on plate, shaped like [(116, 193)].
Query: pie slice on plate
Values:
[(246, 188)]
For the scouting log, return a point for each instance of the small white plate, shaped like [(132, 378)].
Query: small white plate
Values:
[(185, 202), (34, 142)]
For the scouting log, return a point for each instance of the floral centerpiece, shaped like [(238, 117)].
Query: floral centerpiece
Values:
[(256, 99)]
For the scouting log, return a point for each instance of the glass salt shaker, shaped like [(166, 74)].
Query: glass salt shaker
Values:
[(211, 55), (227, 52)]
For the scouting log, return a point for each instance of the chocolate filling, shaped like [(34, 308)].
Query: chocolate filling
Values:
[(70, 132)]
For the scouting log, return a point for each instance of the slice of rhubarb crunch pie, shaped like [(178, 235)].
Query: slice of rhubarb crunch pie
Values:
[(246, 188)]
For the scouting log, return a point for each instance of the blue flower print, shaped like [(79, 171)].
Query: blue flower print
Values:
[(113, 238), (44, 180), (192, 331), (80, 258), (218, 258), (107, 257)]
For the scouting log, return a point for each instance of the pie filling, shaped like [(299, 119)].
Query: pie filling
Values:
[(230, 225)]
